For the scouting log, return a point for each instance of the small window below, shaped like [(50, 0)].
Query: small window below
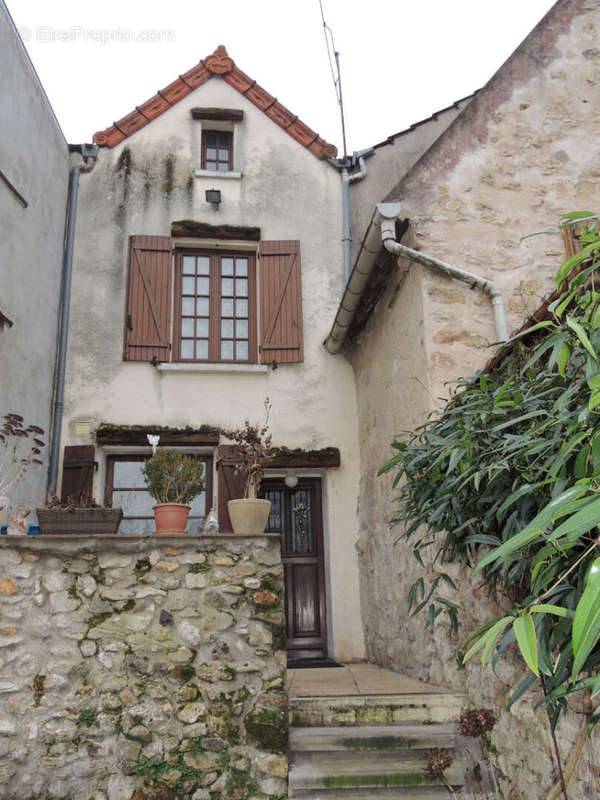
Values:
[(217, 151), (125, 487)]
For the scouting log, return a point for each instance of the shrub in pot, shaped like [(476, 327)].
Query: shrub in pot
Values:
[(174, 480), (249, 515)]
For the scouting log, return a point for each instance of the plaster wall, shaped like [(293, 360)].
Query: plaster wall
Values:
[(34, 157), (517, 157), (388, 164), (141, 187)]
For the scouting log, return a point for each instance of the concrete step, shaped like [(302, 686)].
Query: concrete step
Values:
[(374, 737), (423, 793), (343, 770), (375, 709)]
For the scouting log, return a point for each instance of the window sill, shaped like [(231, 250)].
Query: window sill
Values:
[(237, 368), (209, 173)]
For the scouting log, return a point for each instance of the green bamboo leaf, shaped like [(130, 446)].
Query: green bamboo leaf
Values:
[(525, 684), (563, 359), (575, 216), (525, 633), (490, 633), (535, 528), (546, 608), (580, 522), (582, 336), (594, 400), (493, 636), (596, 686), (586, 623)]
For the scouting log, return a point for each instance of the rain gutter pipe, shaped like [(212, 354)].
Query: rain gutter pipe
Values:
[(388, 238), (382, 229), (347, 179), (89, 153)]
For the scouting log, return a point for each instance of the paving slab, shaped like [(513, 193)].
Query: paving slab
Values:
[(354, 680)]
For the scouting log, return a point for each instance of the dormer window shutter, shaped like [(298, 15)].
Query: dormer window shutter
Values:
[(148, 314), (280, 303)]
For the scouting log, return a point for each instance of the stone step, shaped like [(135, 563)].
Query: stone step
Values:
[(343, 770), (375, 709), (373, 737), (418, 793)]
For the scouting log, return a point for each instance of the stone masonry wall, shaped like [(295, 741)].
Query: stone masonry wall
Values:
[(519, 155), (142, 668)]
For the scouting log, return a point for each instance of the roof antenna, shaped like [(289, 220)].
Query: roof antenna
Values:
[(337, 82)]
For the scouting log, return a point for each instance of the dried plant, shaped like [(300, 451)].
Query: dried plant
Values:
[(437, 763), (74, 502), (20, 446), (476, 722), (255, 452)]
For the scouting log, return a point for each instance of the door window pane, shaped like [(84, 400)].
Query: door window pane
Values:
[(188, 286), (241, 308), (241, 287), (241, 351), (203, 285), (202, 328), (241, 267), (202, 307), (187, 348), (241, 328), (227, 328), (203, 265), (227, 286), (189, 264), (187, 306), (227, 266), (202, 349)]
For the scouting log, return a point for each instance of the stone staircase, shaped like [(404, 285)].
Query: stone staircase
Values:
[(376, 746)]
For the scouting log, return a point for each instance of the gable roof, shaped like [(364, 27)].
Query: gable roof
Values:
[(218, 63)]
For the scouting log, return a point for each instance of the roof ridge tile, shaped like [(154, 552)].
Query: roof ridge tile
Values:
[(217, 63)]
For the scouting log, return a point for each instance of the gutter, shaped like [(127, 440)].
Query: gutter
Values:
[(382, 230), (89, 153), (388, 238), (347, 179)]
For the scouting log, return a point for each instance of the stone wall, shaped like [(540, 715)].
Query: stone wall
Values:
[(142, 667), (516, 158)]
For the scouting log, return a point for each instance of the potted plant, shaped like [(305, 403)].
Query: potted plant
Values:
[(173, 479), (249, 515), (79, 515), (20, 446)]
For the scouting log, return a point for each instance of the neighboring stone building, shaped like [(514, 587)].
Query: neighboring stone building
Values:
[(523, 152), (34, 177)]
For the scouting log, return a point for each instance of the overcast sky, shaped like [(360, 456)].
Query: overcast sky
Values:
[(401, 60)]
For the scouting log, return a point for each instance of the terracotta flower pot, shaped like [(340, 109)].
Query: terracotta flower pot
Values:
[(249, 516), (171, 517)]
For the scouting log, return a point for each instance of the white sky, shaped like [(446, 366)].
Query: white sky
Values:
[(401, 60)]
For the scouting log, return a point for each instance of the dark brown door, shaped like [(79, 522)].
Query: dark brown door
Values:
[(296, 514)]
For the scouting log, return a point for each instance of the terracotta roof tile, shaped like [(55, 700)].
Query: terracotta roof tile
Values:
[(218, 63)]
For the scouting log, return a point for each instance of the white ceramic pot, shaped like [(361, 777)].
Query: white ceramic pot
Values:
[(4, 505), (249, 515)]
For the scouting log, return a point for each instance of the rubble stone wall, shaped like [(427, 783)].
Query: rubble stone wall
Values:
[(142, 667)]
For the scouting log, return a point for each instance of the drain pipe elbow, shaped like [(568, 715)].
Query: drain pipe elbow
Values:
[(388, 238)]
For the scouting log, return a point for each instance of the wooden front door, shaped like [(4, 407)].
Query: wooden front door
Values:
[(296, 514)]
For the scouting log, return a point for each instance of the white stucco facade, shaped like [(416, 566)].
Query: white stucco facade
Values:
[(142, 186), (34, 159)]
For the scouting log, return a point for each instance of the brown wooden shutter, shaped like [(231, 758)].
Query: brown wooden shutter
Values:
[(280, 303), (78, 473), (231, 483), (148, 299)]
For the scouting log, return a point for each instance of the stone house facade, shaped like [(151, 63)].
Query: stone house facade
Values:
[(208, 260)]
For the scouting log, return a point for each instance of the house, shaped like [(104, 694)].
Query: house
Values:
[(34, 180), (521, 153), (208, 260)]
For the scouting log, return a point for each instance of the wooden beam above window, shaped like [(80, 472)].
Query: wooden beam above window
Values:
[(202, 230), (174, 437), (220, 114)]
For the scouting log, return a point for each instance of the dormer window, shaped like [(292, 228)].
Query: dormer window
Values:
[(217, 151)]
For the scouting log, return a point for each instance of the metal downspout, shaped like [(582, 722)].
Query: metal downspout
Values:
[(90, 153), (388, 237), (347, 179)]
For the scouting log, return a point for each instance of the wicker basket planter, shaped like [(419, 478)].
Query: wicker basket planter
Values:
[(59, 521)]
